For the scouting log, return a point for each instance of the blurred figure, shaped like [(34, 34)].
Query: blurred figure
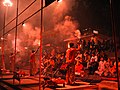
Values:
[(70, 60), (101, 67), (33, 67), (78, 68), (93, 64)]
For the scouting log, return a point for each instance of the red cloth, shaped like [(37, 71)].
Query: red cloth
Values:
[(58, 80), (78, 68)]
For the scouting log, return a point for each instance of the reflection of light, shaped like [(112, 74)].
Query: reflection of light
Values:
[(0, 47), (59, 0), (7, 3)]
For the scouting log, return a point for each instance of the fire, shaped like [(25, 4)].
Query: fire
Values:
[(37, 42)]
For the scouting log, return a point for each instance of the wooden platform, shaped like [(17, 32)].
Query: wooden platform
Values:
[(108, 85), (80, 87)]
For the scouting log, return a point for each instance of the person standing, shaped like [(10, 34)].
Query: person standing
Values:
[(33, 67), (70, 60)]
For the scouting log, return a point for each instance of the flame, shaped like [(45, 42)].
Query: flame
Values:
[(36, 42)]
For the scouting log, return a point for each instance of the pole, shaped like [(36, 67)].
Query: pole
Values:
[(41, 44), (17, 3), (3, 58), (114, 37)]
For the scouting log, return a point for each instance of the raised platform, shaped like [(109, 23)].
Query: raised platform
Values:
[(80, 87), (108, 85)]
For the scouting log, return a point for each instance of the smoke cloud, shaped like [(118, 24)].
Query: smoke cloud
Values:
[(58, 26)]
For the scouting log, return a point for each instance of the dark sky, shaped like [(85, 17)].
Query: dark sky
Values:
[(96, 14)]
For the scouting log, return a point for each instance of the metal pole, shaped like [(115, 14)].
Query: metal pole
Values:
[(17, 3), (3, 59), (114, 38), (41, 44)]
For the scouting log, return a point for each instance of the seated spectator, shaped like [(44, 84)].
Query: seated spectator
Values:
[(101, 67), (108, 65), (86, 59), (113, 70), (78, 68), (92, 67)]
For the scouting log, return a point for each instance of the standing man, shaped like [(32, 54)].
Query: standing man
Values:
[(70, 60), (32, 63), (33, 67)]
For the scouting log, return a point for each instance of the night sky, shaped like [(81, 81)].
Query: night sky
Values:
[(96, 14)]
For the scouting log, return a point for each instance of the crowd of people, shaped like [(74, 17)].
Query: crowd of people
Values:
[(90, 58), (87, 57)]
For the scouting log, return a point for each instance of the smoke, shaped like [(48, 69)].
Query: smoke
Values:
[(58, 26), (66, 28), (55, 16), (58, 21), (27, 39)]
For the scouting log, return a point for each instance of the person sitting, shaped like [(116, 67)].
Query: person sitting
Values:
[(78, 68), (101, 67)]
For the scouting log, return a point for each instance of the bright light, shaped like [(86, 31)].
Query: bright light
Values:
[(0, 47), (2, 38), (24, 24), (7, 3), (59, 0), (95, 32), (26, 47)]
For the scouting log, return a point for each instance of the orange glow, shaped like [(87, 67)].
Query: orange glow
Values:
[(0, 47), (7, 3)]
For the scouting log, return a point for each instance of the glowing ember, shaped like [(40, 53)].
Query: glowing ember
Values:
[(7, 3)]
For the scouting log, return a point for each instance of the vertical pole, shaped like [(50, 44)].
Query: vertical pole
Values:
[(17, 3), (3, 59), (41, 44), (114, 37)]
